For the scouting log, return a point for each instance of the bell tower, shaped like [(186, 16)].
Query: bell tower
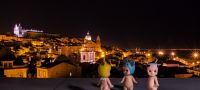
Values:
[(98, 44)]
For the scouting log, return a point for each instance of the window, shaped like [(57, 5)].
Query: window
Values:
[(10, 65), (83, 57), (5, 65)]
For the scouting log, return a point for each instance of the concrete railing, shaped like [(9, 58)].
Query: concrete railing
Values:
[(91, 84)]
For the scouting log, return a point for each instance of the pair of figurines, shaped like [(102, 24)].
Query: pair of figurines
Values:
[(128, 80)]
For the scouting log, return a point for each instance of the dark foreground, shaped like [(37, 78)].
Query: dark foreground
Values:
[(90, 84)]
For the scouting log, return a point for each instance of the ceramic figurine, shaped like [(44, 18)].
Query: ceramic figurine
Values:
[(128, 80), (152, 71), (104, 72)]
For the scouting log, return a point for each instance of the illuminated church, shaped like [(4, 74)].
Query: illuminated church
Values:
[(90, 50), (20, 32)]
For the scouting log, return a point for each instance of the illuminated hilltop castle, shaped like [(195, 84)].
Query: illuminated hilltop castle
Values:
[(20, 32)]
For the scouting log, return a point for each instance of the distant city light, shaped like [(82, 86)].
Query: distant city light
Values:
[(148, 54), (195, 55), (161, 53), (103, 54), (173, 53)]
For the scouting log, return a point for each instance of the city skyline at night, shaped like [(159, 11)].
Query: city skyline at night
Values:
[(99, 44), (134, 24)]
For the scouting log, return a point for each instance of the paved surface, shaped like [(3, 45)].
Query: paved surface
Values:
[(90, 84)]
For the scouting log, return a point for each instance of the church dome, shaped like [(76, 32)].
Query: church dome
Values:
[(88, 37)]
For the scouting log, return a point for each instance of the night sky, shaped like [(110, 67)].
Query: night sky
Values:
[(139, 23)]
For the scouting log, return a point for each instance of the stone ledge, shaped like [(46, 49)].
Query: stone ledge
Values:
[(90, 84)]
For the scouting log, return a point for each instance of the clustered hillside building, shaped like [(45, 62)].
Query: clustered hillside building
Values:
[(60, 70), (13, 70), (8, 38), (88, 51)]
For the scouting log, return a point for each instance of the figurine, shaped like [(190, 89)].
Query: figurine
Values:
[(128, 80), (152, 71), (104, 72)]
